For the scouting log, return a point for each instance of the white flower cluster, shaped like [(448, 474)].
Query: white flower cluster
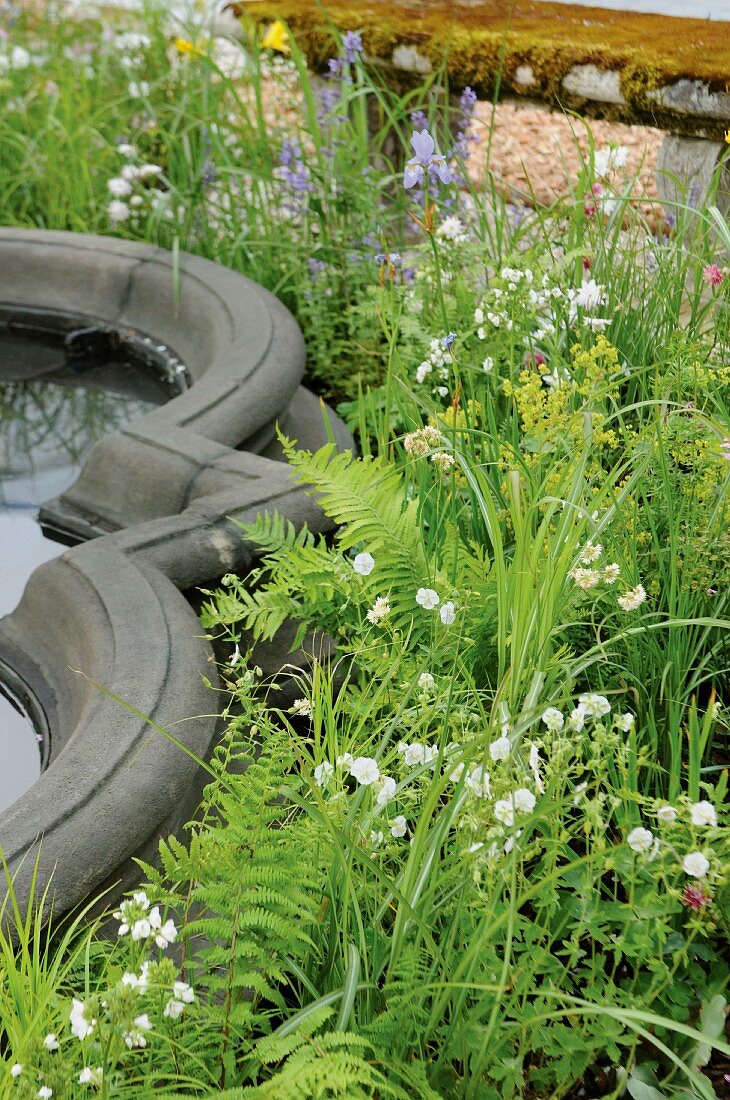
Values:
[(609, 159), (429, 599), (702, 815), (137, 919), (586, 578), (131, 197), (452, 230), (439, 359)]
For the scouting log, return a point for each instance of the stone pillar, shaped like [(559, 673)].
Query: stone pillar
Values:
[(685, 172)]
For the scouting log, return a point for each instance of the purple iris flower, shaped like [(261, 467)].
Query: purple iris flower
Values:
[(425, 160), (352, 46), (447, 341), (393, 258), (419, 120)]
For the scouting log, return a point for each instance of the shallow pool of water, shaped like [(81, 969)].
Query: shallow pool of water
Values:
[(58, 396)]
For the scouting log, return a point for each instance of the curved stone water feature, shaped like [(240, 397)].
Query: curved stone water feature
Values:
[(152, 511)]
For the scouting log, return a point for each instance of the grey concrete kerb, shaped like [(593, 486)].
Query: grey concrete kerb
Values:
[(158, 500)]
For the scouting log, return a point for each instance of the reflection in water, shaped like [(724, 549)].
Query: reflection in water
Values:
[(53, 408)]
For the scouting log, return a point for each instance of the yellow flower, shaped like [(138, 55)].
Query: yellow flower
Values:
[(727, 136), (186, 48), (276, 37)]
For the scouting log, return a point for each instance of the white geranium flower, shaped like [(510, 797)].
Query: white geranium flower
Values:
[(376, 838), (625, 722), (590, 295), (323, 773), (504, 811), (365, 770), (524, 800), (399, 827), (457, 773), (640, 840), (364, 564), (695, 864), (386, 791), (632, 599), (427, 598), (479, 783), (577, 717), (488, 364), (44, 1093), (183, 992), (595, 705), (447, 613), (50, 1042), (173, 1008), (80, 1026), (703, 813), (500, 749), (666, 814), (553, 719), (89, 1076), (135, 1037), (426, 681), (16, 1069)]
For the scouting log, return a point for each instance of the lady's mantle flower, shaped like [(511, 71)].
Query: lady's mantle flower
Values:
[(323, 773), (666, 814), (379, 611), (632, 599), (50, 1042), (399, 827), (80, 1025), (425, 160), (695, 897), (135, 1037), (553, 719), (695, 864), (427, 598), (703, 813), (447, 613), (640, 840), (364, 564), (365, 770)]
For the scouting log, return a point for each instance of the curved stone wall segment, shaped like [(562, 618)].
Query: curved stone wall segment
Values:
[(158, 500)]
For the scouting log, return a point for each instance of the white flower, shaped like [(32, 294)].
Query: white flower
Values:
[(173, 1009), (488, 364), (365, 770), (44, 1093), (504, 811), (166, 934), (524, 800), (478, 782), (119, 187), (399, 827), (426, 681), (16, 1069), (414, 754), (423, 370), (534, 763), (345, 760), (184, 992), (447, 613), (89, 1076), (386, 792), (703, 813), (667, 814), (695, 864), (364, 564), (128, 172), (135, 1036), (632, 599), (595, 705), (590, 294), (376, 838), (591, 553), (427, 598), (379, 611), (126, 150), (117, 211), (585, 578), (500, 749), (323, 773), (302, 708), (457, 773), (141, 929), (577, 717), (625, 722), (146, 170), (553, 719), (579, 791), (640, 840), (50, 1042), (611, 573), (138, 90), (134, 982), (476, 846), (80, 1026)]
